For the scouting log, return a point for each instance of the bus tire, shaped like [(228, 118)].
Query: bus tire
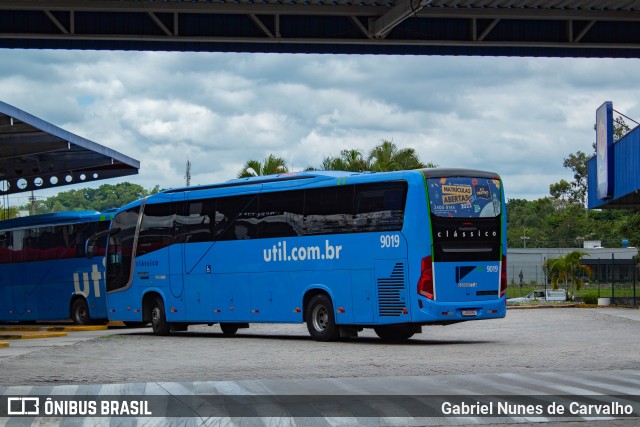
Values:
[(159, 322), (393, 333), (321, 320), (228, 329), (80, 312)]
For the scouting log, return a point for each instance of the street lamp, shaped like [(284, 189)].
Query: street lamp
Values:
[(524, 237)]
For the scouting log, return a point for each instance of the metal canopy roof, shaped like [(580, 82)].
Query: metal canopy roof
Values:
[(574, 28), (35, 154)]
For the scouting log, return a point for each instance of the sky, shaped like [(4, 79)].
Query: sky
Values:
[(519, 117)]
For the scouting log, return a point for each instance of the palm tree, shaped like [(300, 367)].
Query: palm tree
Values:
[(330, 163), (384, 157), (271, 165), (353, 160), (568, 269), (387, 157), (349, 160), (408, 159)]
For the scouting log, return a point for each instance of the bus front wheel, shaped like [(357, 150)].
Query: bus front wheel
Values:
[(80, 312), (320, 318), (159, 322)]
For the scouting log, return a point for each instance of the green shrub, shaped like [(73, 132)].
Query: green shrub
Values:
[(590, 297)]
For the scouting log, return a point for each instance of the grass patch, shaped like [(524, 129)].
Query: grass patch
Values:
[(590, 291)]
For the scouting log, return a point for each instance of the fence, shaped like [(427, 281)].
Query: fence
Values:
[(615, 280)]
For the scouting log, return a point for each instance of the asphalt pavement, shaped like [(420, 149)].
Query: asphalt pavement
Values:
[(562, 353)]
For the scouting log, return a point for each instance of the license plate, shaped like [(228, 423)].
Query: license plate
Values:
[(469, 313)]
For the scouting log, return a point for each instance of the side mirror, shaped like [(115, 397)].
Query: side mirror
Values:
[(90, 243)]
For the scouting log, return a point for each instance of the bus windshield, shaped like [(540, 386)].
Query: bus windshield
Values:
[(464, 197)]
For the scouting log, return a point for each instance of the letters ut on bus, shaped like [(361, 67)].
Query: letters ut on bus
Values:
[(339, 251)]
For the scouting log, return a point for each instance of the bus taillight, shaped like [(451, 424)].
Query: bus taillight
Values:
[(425, 283), (503, 277)]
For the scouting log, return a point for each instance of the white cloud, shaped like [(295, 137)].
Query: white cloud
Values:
[(516, 116)]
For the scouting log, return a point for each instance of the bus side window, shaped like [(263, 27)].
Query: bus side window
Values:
[(81, 235), (281, 214), (380, 206), (236, 218), (121, 249), (30, 245), (194, 221), (329, 210), (156, 229), (5, 247)]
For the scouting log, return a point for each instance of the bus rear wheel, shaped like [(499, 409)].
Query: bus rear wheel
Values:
[(159, 322), (320, 318), (393, 333), (228, 329), (80, 312)]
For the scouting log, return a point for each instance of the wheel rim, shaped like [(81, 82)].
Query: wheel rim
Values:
[(320, 317), (81, 313)]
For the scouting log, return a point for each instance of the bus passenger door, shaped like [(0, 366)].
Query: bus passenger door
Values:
[(176, 275), (155, 255), (195, 238), (198, 278)]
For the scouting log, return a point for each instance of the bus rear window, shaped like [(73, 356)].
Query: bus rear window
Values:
[(464, 197)]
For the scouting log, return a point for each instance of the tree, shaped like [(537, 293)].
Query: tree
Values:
[(382, 158), (620, 128), (8, 213), (349, 160), (106, 196), (330, 163), (387, 157), (271, 165), (577, 163), (353, 160), (562, 192), (568, 269)]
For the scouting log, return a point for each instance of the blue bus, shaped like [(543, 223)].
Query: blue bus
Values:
[(339, 251), (44, 272)]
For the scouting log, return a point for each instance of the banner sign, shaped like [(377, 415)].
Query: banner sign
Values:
[(225, 408), (604, 150)]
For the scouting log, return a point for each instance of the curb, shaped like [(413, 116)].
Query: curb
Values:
[(51, 328), (74, 328), (30, 334), (520, 307), (576, 305), (116, 325)]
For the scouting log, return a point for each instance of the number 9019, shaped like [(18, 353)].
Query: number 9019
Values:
[(389, 241)]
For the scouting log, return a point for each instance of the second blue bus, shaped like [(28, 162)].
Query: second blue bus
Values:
[(44, 272)]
